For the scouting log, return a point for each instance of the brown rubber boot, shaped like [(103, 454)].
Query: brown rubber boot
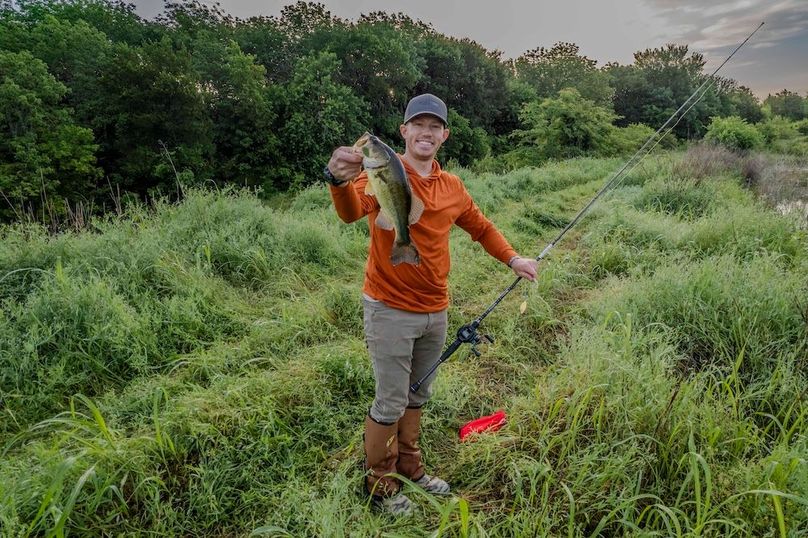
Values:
[(381, 453), (409, 454)]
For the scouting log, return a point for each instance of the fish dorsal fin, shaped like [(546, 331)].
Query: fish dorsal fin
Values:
[(369, 189), (416, 210), (384, 222)]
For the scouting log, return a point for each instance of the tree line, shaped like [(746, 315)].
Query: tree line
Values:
[(94, 98)]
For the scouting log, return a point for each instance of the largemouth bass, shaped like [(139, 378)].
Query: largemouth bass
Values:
[(387, 180)]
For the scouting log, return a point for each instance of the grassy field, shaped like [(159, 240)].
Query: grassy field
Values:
[(199, 369)]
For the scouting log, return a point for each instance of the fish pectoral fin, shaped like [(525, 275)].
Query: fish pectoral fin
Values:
[(369, 189), (416, 210), (384, 222)]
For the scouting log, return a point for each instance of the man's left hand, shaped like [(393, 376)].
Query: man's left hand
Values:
[(526, 268)]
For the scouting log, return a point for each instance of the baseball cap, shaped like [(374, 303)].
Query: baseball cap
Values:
[(426, 103)]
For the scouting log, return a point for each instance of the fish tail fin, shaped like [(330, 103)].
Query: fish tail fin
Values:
[(406, 253)]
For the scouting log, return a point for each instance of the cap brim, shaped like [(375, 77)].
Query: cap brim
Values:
[(445, 123)]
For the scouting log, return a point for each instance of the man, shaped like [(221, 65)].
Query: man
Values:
[(405, 305)]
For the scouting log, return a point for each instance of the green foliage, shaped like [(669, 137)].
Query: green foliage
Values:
[(548, 71), (777, 129), (740, 101), (627, 140), (712, 309), (240, 104), (115, 19), (472, 80), (658, 82), (688, 199), (787, 104), (380, 64), (43, 153), (323, 114), (155, 94), (466, 144), (566, 126), (734, 133)]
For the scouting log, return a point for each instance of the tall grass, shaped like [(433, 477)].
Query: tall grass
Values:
[(199, 369)]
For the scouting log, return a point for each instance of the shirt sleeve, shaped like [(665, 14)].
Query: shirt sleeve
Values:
[(351, 202), (483, 230)]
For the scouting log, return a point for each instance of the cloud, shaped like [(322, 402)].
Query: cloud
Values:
[(720, 24), (774, 57)]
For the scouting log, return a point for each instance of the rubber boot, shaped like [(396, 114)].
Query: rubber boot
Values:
[(409, 453), (410, 463), (381, 454)]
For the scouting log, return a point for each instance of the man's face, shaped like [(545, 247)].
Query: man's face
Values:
[(423, 136)]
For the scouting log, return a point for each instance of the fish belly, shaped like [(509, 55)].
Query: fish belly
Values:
[(395, 201)]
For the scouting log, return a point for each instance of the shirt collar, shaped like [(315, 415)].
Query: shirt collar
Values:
[(433, 174)]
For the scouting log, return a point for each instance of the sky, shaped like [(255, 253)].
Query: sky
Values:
[(605, 30)]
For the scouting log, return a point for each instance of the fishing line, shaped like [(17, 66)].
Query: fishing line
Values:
[(467, 334)]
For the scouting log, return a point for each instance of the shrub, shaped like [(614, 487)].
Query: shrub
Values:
[(311, 198), (567, 126), (625, 140), (705, 160), (753, 168), (776, 129), (783, 182), (733, 132)]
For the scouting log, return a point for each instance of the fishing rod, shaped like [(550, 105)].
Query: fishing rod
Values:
[(467, 334)]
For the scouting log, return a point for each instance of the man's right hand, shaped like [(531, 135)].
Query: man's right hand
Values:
[(345, 163)]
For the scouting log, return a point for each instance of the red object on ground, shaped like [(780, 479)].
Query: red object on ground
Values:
[(490, 423)]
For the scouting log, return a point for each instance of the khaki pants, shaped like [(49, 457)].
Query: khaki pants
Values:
[(402, 345)]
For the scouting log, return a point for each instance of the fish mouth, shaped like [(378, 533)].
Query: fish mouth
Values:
[(363, 141), (373, 156)]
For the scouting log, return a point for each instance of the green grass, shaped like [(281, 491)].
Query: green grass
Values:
[(199, 369)]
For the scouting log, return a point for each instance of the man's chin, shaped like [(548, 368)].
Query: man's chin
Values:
[(425, 155)]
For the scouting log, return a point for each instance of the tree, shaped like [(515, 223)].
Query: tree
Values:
[(466, 143), (148, 102), (744, 104), (657, 84), (262, 38), (321, 114), (562, 66), (187, 19), (114, 18), (238, 103), (301, 20), (42, 150), (76, 54), (566, 126), (381, 65), (787, 104)]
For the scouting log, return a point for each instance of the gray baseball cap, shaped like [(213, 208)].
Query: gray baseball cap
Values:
[(426, 103)]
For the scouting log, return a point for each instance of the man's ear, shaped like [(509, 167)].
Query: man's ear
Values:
[(445, 134), (403, 130)]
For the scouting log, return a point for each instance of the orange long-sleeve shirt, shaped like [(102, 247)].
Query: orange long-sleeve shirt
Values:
[(423, 287)]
